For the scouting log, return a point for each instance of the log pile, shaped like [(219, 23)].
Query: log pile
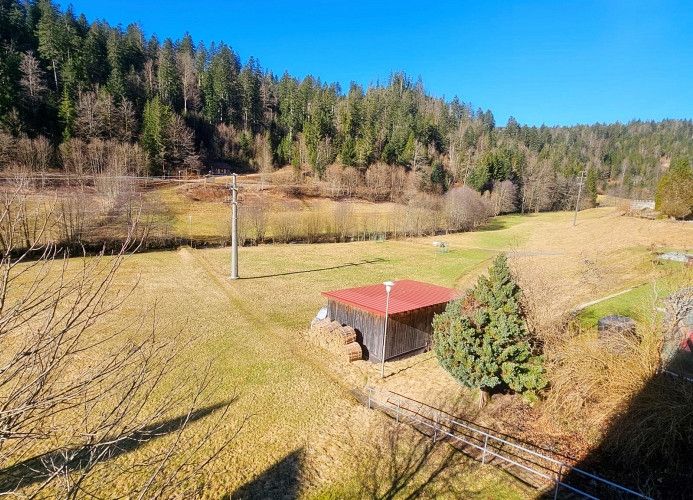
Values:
[(336, 338)]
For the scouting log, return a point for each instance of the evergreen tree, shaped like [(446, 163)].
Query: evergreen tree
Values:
[(67, 115), (167, 75), (483, 341), (116, 58), (591, 186), (250, 78), (154, 138), (51, 36), (674, 196)]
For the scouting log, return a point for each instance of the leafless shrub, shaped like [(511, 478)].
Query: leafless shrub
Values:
[(34, 155), (7, 145), (334, 179), (351, 179), (312, 225), (385, 182), (343, 220), (256, 216), (466, 209), (283, 227)]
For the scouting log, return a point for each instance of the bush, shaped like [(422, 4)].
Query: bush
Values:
[(483, 341), (674, 196)]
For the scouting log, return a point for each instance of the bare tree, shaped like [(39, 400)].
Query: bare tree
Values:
[(33, 77), (503, 197), (150, 77), (89, 121), (181, 153), (34, 154), (263, 155), (127, 121), (76, 390), (188, 75)]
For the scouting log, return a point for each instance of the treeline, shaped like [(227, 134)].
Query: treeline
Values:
[(92, 97)]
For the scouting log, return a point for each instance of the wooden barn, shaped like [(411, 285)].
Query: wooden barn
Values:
[(410, 315)]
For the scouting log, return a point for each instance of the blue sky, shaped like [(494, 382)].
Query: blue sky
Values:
[(552, 62)]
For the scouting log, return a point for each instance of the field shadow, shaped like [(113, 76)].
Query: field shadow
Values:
[(281, 480), (316, 270), (42, 467), (648, 446)]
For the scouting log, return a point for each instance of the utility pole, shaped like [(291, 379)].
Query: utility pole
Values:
[(388, 289), (234, 228), (581, 181)]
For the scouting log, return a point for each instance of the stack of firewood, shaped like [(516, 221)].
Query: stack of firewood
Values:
[(336, 338)]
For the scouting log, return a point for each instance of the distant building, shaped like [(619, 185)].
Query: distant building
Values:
[(410, 315)]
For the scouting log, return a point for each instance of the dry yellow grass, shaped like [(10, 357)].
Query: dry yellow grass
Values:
[(299, 408), (298, 397)]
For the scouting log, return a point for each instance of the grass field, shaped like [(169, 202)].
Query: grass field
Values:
[(638, 302), (305, 432)]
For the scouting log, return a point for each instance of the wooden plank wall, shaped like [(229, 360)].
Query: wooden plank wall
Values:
[(406, 332)]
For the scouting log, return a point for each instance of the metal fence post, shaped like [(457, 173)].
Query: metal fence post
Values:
[(559, 477), (435, 427), (370, 390), (483, 455)]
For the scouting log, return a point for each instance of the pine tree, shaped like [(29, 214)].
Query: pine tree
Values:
[(483, 341)]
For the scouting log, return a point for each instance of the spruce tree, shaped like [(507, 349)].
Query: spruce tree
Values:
[(483, 340), (154, 140), (674, 196), (67, 115)]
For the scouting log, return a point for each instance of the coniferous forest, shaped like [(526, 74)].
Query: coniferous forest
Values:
[(81, 95)]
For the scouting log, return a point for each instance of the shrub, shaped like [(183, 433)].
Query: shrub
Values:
[(483, 341)]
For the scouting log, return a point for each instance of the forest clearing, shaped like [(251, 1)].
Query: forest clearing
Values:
[(297, 422)]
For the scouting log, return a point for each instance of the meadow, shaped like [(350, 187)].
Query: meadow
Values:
[(299, 428)]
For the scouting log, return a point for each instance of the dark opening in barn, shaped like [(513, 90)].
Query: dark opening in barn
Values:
[(410, 315)]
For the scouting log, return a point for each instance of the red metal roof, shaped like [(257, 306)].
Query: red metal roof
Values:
[(406, 295)]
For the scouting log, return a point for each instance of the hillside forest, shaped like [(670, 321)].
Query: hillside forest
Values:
[(87, 97)]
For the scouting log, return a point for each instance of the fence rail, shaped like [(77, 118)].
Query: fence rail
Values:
[(489, 446)]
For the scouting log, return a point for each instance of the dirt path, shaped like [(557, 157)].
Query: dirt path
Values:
[(585, 305)]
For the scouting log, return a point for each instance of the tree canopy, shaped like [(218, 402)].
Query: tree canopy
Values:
[(53, 62)]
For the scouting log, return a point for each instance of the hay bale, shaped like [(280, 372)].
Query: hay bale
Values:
[(353, 351), (332, 326), (347, 335)]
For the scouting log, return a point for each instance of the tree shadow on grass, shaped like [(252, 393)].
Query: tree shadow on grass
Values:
[(341, 266), (42, 467), (281, 480)]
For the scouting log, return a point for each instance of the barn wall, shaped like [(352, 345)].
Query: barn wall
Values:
[(406, 332)]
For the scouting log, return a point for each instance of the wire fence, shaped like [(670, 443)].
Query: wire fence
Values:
[(533, 465)]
